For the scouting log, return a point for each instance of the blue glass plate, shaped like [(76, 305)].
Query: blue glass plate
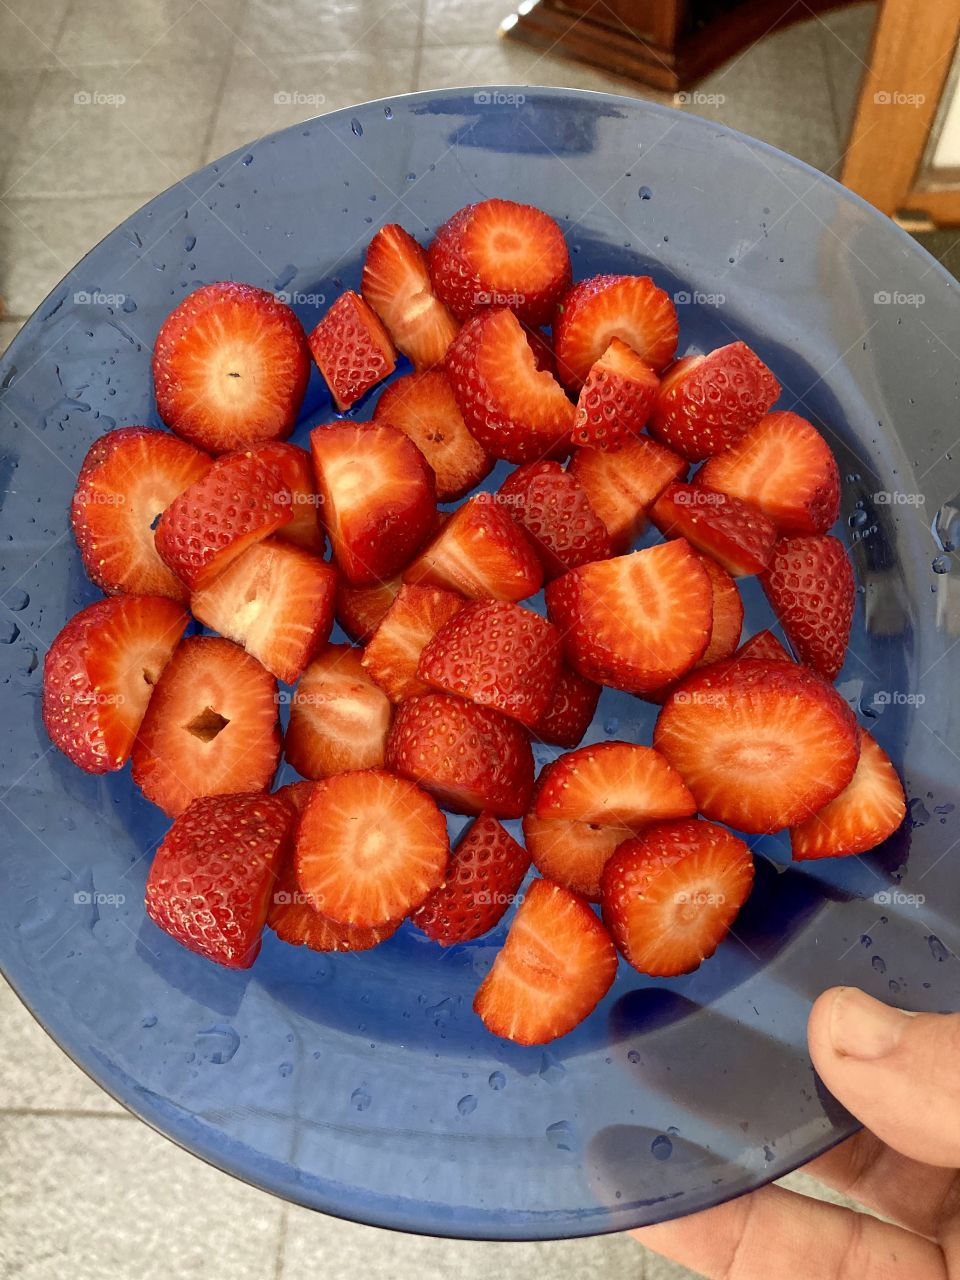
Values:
[(364, 1085)]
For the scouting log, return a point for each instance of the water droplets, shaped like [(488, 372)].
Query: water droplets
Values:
[(645, 193), (467, 1104), (16, 599), (497, 1081), (360, 1099), (561, 1135), (285, 1069), (937, 949), (551, 1068), (9, 631), (388, 112), (190, 243), (356, 128), (941, 564), (148, 1021), (879, 964), (661, 1147), (218, 1043), (633, 1057)]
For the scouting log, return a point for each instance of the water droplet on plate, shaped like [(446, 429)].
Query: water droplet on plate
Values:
[(8, 631), (149, 1021), (551, 1068), (388, 112), (661, 1147), (497, 1081), (360, 1099), (189, 243), (879, 964), (218, 1043), (16, 599), (645, 193), (467, 1104), (937, 949), (633, 1056), (356, 127), (561, 1135)]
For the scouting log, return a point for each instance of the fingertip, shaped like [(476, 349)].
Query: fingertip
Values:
[(818, 1024)]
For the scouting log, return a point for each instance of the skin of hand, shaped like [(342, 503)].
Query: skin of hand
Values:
[(898, 1073)]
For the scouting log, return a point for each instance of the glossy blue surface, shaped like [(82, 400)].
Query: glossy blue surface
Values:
[(364, 1085)]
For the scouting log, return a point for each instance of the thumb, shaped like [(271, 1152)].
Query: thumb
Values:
[(897, 1072)]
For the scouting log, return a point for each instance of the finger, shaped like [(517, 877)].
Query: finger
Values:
[(774, 1234), (896, 1071)]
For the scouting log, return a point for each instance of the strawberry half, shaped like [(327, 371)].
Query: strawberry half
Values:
[(295, 468), (370, 848), (810, 585), (360, 610), (596, 311), (293, 917), (100, 672), (706, 403), (378, 497), (569, 711), (469, 757), (761, 745), (572, 853), (338, 717), (212, 878), (393, 652), (616, 399), (622, 487), (500, 254), (352, 349), (481, 882), (396, 283), (617, 784), (555, 967), (764, 645), (727, 614), (512, 409), (868, 810), (128, 478), (671, 894), (734, 533), (552, 507), (230, 367)]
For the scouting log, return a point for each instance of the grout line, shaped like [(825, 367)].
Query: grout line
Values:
[(280, 1256), (60, 1113), (418, 50), (228, 61)]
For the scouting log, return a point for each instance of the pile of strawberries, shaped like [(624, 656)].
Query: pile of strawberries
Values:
[(450, 677)]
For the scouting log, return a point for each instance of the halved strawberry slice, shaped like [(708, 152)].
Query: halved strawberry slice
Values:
[(552, 506), (500, 254), (810, 585), (868, 810), (351, 349), (481, 553), (370, 848), (293, 917), (128, 478), (596, 311), (211, 726), (734, 533), (411, 622), (396, 283), (230, 367), (572, 853), (360, 610), (378, 497), (296, 472), (338, 717), (423, 407), (481, 882), (276, 601), (706, 403), (727, 614), (613, 783), (671, 894), (296, 794), (616, 399), (569, 711), (764, 645), (623, 486), (761, 745), (513, 409), (100, 672), (557, 964)]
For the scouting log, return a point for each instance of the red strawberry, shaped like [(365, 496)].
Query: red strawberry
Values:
[(671, 894), (636, 622), (734, 533), (481, 553), (230, 367), (762, 745), (211, 726), (764, 645), (469, 757), (378, 497), (239, 501), (555, 967), (99, 673), (552, 506), (338, 717), (500, 254), (597, 310), (370, 848), (810, 585), (411, 622), (623, 486), (512, 409), (616, 399), (542, 348), (868, 810), (396, 283), (296, 474), (127, 479), (784, 467), (706, 403), (423, 407), (293, 918), (485, 872), (212, 877), (360, 610), (613, 783), (569, 711), (276, 601), (296, 794), (351, 349), (572, 853)]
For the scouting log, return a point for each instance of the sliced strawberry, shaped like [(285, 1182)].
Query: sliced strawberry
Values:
[(230, 367), (764, 645), (572, 853), (411, 622), (706, 403), (239, 501), (636, 622), (513, 409), (810, 585), (500, 254), (296, 794), (623, 486), (868, 810), (378, 497), (100, 672), (734, 533), (671, 894), (423, 407), (396, 283), (293, 917), (360, 610), (596, 311), (212, 877), (370, 848), (569, 711), (557, 964), (542, 348), (481, 882), (613, 783), (338, 717), (762, 745), (481, 553), (351, 349), (616, 399), (296, 473), (552, 506), (727, 614), (211, 726), (469, 757)]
